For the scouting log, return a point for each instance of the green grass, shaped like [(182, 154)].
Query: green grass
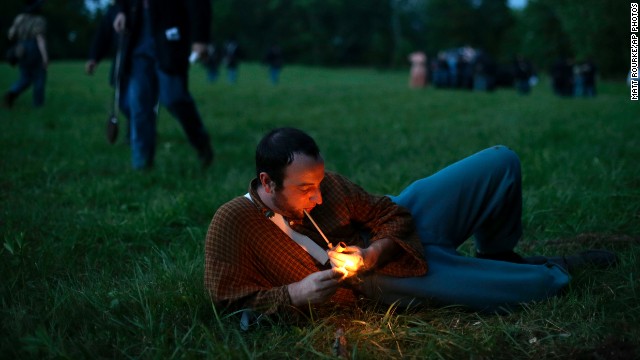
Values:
[(100, 261)]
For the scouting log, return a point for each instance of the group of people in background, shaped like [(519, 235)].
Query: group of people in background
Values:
[(153, 46), (472, 69), (570, 78), (230, 54)]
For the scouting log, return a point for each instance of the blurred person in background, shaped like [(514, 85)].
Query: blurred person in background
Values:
[(161, 34), (212, 64), (522, 73), (28, 31), (418, 71), (233, 53), (274, 61)]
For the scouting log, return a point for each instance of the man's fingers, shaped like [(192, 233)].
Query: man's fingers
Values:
[(329, 276), (351, 249)]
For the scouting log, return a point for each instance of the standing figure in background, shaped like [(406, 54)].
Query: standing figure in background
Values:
[(522, 73), (274, 60), (589, 71), (441, 71), (418, 72), (29, 29), (161, 34), (562, 74), (214, 57), (232, 58)]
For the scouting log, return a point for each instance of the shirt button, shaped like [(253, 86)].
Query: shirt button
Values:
[(291, 223)]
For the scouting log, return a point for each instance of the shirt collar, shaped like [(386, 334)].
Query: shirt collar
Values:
[(253, 192)]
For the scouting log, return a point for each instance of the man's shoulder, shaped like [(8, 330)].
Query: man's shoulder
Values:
[(238, 203), (235, 212), (332, 176)]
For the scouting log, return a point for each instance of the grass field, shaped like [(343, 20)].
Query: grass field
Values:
[(100, 261)]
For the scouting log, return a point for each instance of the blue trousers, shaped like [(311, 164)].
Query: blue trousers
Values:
[(274, 75), (32, 72), (480, 197), (147, 85)]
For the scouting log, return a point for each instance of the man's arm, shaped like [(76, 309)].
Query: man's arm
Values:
[(42, 45), (394, 247), (379, 253)]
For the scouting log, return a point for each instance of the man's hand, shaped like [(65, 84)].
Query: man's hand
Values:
[(315, 288), (351, 259), (355, 259), (119, 22), (201, 50)]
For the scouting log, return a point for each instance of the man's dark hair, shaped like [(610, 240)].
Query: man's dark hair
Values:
[(276, 151)]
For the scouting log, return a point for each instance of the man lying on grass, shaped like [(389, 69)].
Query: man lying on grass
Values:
[(276, 248)]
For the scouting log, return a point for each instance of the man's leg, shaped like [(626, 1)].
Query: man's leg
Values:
[(176, 97), (142, 96), (479, 284), (39, 81), (23, 82), (481, 196)]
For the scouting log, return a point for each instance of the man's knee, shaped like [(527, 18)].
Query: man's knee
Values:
[(504, 157)]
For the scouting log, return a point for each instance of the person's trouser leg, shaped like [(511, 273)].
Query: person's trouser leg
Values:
[(23, 82), (479, 284), (142, 96), (39, 81), (125, 108), (274, 74), (480, 196), (232, 75), (175, 96)]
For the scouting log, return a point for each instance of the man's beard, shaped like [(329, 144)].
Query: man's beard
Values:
[(286, 210)]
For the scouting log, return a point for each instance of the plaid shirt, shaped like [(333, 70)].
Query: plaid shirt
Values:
[(249, 261), (27, 26)]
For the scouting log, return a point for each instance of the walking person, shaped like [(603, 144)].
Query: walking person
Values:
[(28, 30), (162, 33)]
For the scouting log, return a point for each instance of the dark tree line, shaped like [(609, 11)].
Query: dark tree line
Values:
[(381, 33)]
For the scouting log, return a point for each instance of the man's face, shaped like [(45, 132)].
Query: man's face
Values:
[(300, 188)]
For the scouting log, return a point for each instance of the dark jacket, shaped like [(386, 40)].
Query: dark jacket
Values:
[(191, 18), (105, 42), (104, 39)]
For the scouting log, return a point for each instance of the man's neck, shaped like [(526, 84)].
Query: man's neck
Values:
[(266, 199)]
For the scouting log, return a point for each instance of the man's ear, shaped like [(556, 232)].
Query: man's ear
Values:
[(267, 184)]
